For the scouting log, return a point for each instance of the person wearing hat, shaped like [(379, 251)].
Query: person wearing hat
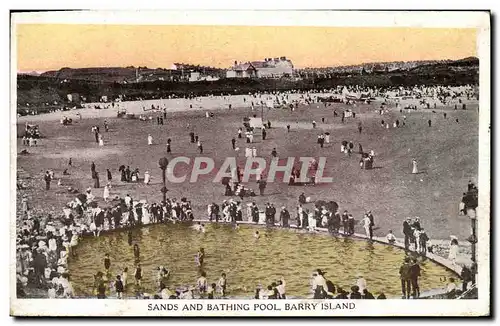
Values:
[(341, 294), (355, 294), (414, 275), (284, 217), (408, 232), (47, 178), (404, 275)]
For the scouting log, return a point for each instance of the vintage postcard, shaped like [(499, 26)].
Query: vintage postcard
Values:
[(250, 163)]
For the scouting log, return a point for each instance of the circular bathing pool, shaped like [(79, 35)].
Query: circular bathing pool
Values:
[(247, 261)]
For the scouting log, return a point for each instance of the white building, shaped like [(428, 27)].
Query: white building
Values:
[(195, 76), (269, 68)]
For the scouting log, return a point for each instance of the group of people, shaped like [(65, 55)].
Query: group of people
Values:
[(129, 175), (323, 288), (322, 216), (44, 242), (415, 235)]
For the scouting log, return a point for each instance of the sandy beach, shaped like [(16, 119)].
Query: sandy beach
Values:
[(208, 103)]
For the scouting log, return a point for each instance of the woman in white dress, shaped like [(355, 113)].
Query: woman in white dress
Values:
[(101, 141), (146, 177), (106, 193), (249, 212), (452, 256), (146, 218), (366, 224), (150, 140), (225, 213), (312, 221), (361, 283), (415, 169)]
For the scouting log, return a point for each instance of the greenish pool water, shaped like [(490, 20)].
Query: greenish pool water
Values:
[(247, 261)]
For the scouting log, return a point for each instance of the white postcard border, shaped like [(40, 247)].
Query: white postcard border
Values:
[(109, 307)]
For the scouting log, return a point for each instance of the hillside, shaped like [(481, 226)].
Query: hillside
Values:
[(392, 66), (51, 89)]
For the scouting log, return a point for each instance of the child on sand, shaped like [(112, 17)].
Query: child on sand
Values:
[(211, 291), (222, 285), (119, 287)]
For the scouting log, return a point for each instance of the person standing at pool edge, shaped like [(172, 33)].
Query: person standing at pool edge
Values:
[(414, 275), (404, 274)]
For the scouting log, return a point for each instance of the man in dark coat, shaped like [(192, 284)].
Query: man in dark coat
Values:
[(39, 264), (128, 174), (273, 215), (414, 275), (408, 233), (404, 275), (96, 180), (284, 217), (233, 143), (336, 219), (367, 294), (345, 222), (466, 276), (47, 179), (302, 198), (262, 187), (372, 222), (255, 213), (268, 214)]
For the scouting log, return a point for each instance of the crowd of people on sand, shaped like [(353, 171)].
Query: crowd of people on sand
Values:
[(44, 242), (31, 136)]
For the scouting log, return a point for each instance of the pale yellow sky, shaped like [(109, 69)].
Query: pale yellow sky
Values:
[(51, 47)]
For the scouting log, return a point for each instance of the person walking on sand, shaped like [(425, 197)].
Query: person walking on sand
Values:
[(415, 168), (47, 179), (106, 193), (96, 180), (146, 177), (200, 147), (169, 148), (150, 139), (101, 140), (233, 143)]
